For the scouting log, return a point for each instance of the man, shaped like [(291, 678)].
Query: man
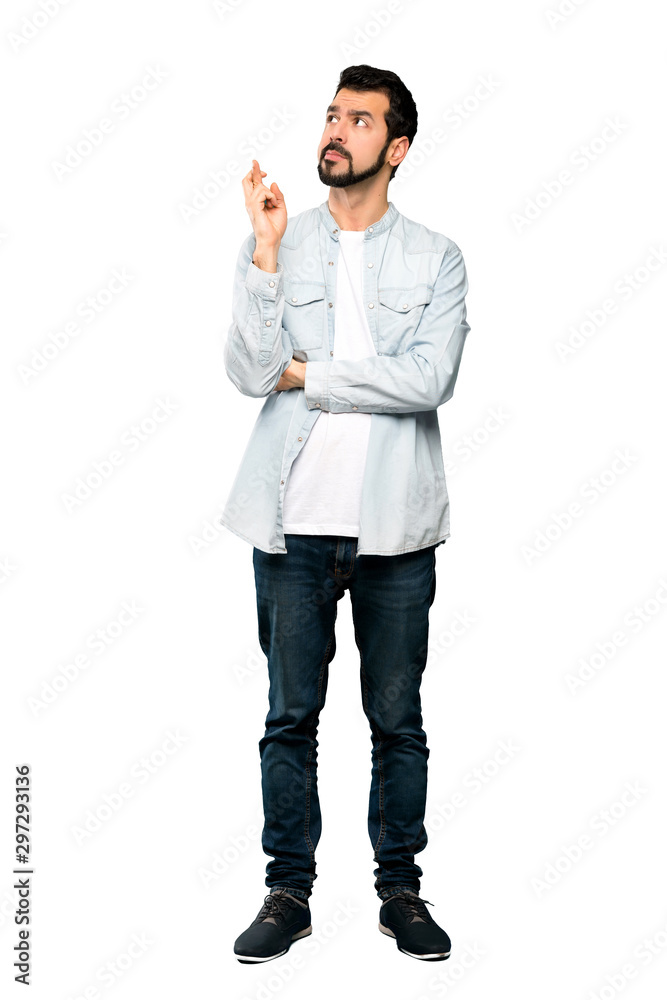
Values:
[(350, 320)]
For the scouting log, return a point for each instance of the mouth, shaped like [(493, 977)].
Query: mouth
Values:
[(331, 155)]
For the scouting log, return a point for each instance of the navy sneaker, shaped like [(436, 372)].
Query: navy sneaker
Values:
[(283, 918), (404, 916)]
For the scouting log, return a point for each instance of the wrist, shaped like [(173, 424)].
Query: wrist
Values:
[(265, 257)]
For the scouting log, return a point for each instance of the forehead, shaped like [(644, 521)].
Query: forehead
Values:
[(371, 100)]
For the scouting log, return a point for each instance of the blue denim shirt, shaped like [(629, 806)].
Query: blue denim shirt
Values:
[(414, 287)]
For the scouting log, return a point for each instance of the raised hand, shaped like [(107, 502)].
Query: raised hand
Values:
[(266, 208)]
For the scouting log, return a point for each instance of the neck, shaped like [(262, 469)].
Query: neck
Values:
[(357, 210)]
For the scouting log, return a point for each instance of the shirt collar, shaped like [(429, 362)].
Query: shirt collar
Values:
[(386, 222)]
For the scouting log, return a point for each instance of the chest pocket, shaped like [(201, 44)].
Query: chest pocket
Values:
[(399, 315), (304, 313)]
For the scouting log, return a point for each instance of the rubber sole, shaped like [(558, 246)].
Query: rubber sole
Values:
[(436, 957), (251, 960)]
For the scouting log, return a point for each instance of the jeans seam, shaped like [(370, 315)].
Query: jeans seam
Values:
[(382, 832), (311, 720)]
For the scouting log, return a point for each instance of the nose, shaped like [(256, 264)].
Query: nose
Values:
[(338, 132)]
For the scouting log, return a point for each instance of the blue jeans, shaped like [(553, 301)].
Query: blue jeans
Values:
[(297, 602)]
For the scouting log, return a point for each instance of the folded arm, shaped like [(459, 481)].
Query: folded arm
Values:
[(422, 378)]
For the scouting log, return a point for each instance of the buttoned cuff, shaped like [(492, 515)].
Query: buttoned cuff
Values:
[(265, 283), (267, 289), (316, 384)]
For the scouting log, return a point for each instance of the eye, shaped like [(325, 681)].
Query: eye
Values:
[(363, 121)]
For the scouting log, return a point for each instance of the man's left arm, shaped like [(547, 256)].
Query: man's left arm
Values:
[(422, 378)]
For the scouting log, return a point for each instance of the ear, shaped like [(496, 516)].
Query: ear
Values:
[(399, 149)]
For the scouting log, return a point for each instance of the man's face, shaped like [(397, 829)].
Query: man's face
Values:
[(354, 142)]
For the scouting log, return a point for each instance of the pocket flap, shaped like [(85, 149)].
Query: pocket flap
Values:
[(402, 300), (298, 293)]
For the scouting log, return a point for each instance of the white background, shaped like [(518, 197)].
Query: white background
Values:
[(523, 917)]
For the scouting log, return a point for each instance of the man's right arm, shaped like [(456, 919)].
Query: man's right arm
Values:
[(258, 350), (266, 258)]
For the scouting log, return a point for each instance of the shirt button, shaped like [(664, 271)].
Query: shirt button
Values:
[(300, 439), (331, 353), (272, 284), (370, 265), (330, 263), (371, 306), (370, 229), (355, 407), (317, 404), (294, 299), (282, 482), (335, 230), (331, 305), (405, 305), (268, 323)]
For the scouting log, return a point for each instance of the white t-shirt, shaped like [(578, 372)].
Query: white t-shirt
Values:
[(323, 491)]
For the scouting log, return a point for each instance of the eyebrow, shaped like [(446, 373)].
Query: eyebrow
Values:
[(336, 109)]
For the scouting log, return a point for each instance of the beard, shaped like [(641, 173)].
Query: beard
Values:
[(342, 179)]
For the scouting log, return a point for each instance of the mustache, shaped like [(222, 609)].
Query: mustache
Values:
[(331, 148)]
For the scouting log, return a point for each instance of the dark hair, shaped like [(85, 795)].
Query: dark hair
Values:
[(401, 118)]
